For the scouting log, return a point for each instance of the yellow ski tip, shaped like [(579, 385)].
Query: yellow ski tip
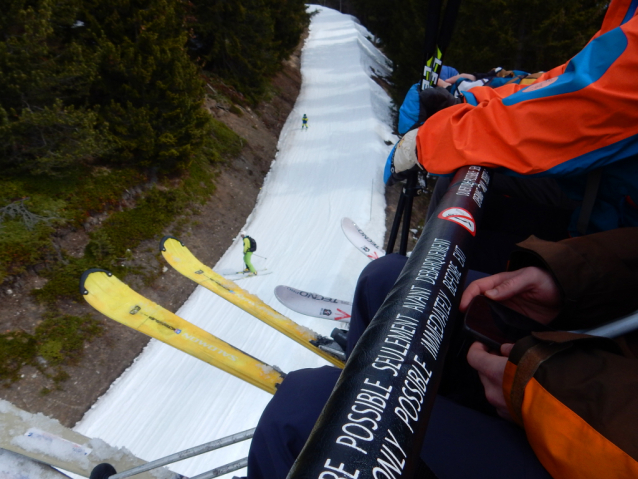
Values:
[(168, 238), (85, 280)]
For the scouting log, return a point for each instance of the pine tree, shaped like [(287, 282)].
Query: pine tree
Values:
[(530, 36), (235, 41), (148, 91), (289, 21), (44, 77), (244, 41)]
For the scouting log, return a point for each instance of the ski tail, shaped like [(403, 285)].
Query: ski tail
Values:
[(111, 297), (360, 240), (432, 52), (237, 275), (180, 258), (315, 305), (437, 39)]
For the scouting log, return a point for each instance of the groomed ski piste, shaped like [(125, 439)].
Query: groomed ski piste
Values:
[(168, 401)]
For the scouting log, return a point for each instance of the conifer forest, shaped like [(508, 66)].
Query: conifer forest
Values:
[(98, 97)]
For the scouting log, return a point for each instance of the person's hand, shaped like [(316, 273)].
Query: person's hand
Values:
[(404, 160), (491, 368), (530, 291)]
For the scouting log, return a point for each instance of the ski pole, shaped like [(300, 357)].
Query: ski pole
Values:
[(193, 451), (220, 471), (259, 256)]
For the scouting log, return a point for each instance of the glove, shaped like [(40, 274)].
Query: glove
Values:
[(432, 100), (403, 160)]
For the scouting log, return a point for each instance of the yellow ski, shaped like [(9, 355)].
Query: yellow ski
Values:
[(116, 300), (180, 258)]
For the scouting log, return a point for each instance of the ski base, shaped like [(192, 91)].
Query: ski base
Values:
[(315, 305)]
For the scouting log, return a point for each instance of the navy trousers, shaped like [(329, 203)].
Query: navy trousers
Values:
[(461, 442)]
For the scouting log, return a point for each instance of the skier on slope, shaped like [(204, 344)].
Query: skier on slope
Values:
[(250, 246), (304, 122)]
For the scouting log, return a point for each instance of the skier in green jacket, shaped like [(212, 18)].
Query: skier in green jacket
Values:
[(250, 245)]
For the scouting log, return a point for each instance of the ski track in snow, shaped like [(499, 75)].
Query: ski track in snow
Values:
[(168, 401)]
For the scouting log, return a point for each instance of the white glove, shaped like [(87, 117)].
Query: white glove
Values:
[(404, 160)]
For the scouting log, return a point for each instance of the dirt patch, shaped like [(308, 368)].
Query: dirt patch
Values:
[(208, 231)]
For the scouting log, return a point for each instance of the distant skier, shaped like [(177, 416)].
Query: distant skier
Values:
[(250, 246), (304, 122)]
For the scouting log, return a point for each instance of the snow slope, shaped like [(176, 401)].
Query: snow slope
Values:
[(168, 401)]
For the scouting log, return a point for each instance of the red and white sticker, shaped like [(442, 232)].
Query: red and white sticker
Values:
[(460, 216)]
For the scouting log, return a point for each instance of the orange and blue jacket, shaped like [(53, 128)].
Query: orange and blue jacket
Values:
[(576, 395), (575, 118)]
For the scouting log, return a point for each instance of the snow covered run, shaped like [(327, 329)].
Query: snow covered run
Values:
[(168, 401)]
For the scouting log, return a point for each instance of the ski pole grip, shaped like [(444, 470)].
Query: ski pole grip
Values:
[(374, 422)]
